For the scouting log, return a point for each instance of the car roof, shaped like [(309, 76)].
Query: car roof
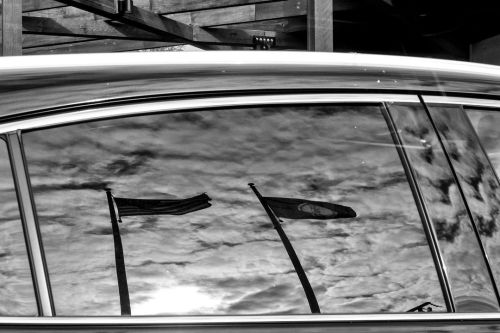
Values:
[(34, 83)]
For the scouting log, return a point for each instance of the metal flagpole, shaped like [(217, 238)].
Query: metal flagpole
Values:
[(119, 259), (311, 298)]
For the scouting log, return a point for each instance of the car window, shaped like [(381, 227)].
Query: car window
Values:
[(17, 297), (485, 123), (196, 238), (471, 283), (478, 137)]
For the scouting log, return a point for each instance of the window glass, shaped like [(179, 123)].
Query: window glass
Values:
[(228, 258), (478, 174), (470, 281), (486, 123), (17, 297)]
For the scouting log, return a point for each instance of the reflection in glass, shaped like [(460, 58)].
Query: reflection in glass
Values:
[(469, 278), (487, 124), (476, 173), (17, 297), (228, 259)]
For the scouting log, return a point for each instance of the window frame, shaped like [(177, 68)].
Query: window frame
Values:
[(29, 220), (14, 129)]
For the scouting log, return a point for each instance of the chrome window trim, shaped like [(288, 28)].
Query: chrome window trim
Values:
[(31, 229), (95, 113), (466, 101), (241, 320)]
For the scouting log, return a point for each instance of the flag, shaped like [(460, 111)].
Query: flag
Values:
[(305, 209), (133, 207)]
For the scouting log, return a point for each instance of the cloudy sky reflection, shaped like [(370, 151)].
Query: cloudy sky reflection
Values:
[(16, 288), (478, 178), (468, 274), (228, 259)]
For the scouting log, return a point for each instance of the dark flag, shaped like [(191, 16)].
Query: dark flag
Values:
[(134, 207), (305, 209)]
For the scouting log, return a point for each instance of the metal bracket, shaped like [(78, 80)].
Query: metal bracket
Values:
[(124, 6), (263, 42)]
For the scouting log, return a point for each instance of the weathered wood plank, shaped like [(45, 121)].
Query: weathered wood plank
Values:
[(167, 29), (215, 17), (266, 15), (288, 24), (139, 18), (269, 11), (104, 45), (30, 40), (320, 25), (34, 5), (85, 28), (1, 27), (249, 13), (242, 37), (213, 47), (179, 6), (12, 39), (157, 6), (104, 29)]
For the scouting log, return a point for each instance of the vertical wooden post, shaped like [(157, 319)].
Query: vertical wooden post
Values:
[(1, 27), (12, 27), (320, 25), (154, 6)]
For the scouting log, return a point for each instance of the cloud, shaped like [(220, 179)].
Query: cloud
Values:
[(16, 284), (462, 254), (261, 299), (229, 256), (97, 186)]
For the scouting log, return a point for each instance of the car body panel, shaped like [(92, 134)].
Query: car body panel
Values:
[(41, 82)]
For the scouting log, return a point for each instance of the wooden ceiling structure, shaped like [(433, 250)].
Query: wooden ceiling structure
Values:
[(451, 29), (76, 26)]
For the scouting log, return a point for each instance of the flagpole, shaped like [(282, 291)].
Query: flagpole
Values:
[(311, 298), (119, 259)]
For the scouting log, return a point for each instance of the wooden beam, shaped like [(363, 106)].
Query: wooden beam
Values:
[(104, 29), (104, 45), (139, 18), (85, 28), (179, 6), (269, 11), (240, 37), (34, 5), (225, 48), (320, 25), (167, 29), (12, 39), (30, 40), (276, 10), (249, 13), (157, 6), (293, 15), (288, 24)]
